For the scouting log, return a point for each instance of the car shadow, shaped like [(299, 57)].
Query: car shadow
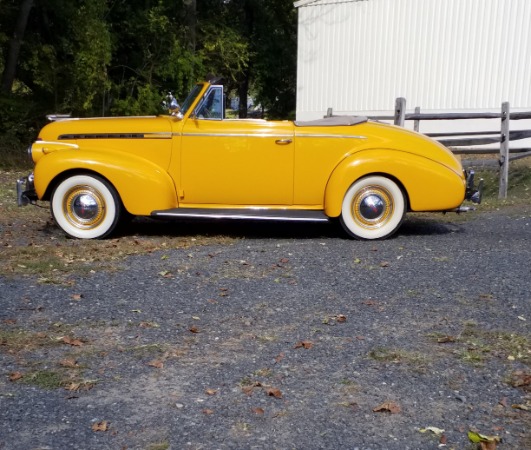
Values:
[(251, 229)]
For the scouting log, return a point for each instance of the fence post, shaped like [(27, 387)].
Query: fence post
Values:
[(504, 150), (416, 123), (400, 111)]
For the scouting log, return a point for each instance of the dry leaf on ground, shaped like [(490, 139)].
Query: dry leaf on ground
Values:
[(304, 344), (100, 426), (391, 407), (274, 392)]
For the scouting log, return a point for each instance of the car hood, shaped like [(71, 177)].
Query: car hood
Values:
[(106, 128)]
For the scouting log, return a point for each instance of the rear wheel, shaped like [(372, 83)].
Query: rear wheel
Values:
[(373, 208), (86, 207)]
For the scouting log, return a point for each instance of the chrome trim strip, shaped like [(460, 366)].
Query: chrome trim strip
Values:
[(335, 136), (62, 144), (248, 135), (240, 216), (146, 135), (253, 213)]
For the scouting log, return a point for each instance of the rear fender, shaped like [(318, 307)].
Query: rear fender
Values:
[(142, 185), (427, 184)]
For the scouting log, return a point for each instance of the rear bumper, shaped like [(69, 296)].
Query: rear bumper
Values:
[(26, 190)]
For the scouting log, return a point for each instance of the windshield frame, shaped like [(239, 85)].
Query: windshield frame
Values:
[(191, 98)]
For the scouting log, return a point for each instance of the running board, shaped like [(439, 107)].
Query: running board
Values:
[(247, 213)]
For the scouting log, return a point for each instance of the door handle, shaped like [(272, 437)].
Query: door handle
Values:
[(283, 141)]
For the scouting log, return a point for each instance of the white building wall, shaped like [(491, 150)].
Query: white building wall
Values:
[(358, 56)]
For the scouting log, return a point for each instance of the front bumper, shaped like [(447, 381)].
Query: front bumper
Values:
[(26, 191), (472, 193)]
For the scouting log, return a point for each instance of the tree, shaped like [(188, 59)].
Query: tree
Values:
[(13, 53)]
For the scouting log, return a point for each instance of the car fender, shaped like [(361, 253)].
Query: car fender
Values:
[(427, 184), (142, 185)]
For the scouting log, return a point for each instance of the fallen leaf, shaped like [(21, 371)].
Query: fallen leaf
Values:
[(487, 445), (100, 426), (208, 412), (304, 344), (503, 402), (370, 302), (521, 407), (14, 376), (391, 407), (445, 339), (434, 430), (249, 389), (443, 440), (211, 391), (274, 392), (384, 264), (157, 363), (74, 387), (521, 379), (258, 410), (193, 329), (476, 437), (77, 297), (69, 362), (341, 318), (71, 341)]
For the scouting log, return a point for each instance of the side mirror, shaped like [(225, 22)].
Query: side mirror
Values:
[(173, 107)]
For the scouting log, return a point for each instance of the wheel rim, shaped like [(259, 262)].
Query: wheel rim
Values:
[(372, 207), (84, 207)]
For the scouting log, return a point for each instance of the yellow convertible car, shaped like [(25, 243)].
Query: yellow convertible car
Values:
[(195, 163)]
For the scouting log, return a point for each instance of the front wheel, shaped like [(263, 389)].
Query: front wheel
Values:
[(373, 208), (86, 207)]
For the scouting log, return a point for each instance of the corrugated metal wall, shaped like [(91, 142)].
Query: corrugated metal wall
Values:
[(359, 55)]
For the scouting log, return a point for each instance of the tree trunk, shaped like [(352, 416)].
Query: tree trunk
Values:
[(8, 77), (191, 22), (243, 89)]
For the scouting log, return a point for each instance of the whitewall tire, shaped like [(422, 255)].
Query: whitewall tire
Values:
[(86, 207), (373, 208)]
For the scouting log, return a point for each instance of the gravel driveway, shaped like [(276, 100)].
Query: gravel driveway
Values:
[(285, 337)]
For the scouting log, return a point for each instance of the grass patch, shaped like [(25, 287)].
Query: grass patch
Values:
[(415, 360), (20, 340), (475, 345), (483, 343), (44, 379), (159, 446)]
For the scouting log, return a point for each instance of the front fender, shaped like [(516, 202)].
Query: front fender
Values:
[(142, 185), (428, 184)]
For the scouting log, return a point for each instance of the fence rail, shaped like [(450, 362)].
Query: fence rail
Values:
[(460, 142)]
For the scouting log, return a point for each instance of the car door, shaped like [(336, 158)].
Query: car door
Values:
[(235, 162)]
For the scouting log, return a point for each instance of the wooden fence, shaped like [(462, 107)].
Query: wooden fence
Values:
[(460, 142)]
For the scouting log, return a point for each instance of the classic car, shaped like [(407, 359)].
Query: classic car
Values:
[(195, 163)]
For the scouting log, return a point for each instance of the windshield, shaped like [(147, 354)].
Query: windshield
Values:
[(191, 97)]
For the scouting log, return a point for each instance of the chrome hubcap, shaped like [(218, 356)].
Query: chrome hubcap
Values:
[(372, 207), (84, 207)]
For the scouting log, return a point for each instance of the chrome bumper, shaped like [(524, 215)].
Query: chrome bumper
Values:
[(26, 190), (472, 193)]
